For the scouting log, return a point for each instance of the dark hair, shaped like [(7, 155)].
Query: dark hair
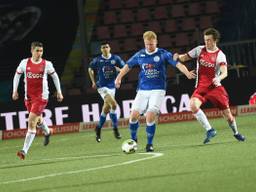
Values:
[(104, 43), (214, 32), (36, 44)]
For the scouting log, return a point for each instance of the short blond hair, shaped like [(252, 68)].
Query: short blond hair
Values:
[(149, 35)]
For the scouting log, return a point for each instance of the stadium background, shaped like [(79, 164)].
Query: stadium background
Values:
[(72, 31)]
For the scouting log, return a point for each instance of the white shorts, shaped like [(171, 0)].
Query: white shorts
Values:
[(103, 91), (150, 100)]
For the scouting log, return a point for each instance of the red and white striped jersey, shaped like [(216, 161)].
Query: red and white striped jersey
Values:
[(35, 77), (208, 64)]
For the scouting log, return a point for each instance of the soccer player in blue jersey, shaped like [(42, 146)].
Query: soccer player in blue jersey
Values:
[(106, 66), (153, 63)]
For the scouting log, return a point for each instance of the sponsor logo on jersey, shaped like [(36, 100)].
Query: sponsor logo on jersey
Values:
[(31, 75), (150, 71), (148, 66), (206, 64)]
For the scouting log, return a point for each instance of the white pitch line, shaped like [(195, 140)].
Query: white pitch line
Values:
[(154, 155)]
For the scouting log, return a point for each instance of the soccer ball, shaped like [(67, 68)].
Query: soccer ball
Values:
[(129, 146)]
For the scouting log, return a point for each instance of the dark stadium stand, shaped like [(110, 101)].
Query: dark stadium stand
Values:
[(195, 8), (126, 16), (160, 13), (178, 23), (103, 32), (131, 3), (178, 10), (170, 26), (119, 31), (143, 14), (110, 17), (136, 29)]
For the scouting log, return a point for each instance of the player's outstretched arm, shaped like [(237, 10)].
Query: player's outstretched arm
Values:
[(182, 57), (56, 82), (185, 71), (118, 69), (92, 77), (59, 97), (122, 73), (16, 81), (15, 95)]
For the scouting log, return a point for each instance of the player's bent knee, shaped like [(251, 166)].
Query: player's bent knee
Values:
[(229, 116), (134, 116), (133, 119), (193, 107), (106, 111), (32, 124), (113, 106)]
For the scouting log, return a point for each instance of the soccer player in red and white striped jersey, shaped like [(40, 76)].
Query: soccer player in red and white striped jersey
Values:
[(35, 70), (211, 69), (252, 100)]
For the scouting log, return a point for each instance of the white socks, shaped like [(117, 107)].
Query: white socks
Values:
[(201, 117), (44, 127), (233, 126), (28, 140)]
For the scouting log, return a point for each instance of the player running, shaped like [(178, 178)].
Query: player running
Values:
[(107, 66), (211, 70), (35, 70)]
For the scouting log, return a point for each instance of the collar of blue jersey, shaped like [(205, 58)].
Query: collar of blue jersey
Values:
[(151, 52), (106, 57)]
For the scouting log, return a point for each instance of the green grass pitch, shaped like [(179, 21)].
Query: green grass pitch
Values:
[(75, 162)]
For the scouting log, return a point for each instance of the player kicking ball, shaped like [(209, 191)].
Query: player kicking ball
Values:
[(153, 62)]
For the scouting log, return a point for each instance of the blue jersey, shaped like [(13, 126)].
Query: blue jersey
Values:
[(152, 68), (106, 71)]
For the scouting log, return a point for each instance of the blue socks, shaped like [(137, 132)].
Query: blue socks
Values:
[(102, 120), (150, 129), (133, 129), (113, 118)]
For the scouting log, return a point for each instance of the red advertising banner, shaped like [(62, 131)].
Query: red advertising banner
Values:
[(56, 129), (246, 109), (124, 122)]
